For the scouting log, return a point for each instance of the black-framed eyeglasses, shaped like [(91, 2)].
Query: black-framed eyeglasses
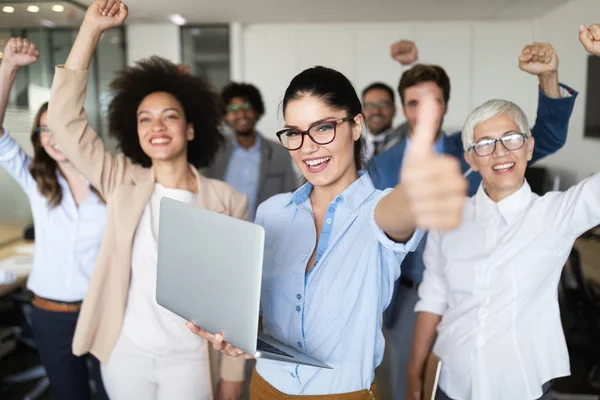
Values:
[(511, 142), (42, 129), (236, 107), (320, 132)]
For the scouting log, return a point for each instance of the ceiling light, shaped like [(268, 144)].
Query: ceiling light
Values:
[(8, 9), (178, 19), (58, 8), (33, 9)]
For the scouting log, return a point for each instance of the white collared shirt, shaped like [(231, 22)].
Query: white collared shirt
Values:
[(494, 281)]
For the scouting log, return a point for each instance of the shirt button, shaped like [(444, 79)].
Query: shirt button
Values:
[(331, 209), (298, 308), (300, 344), (338, 199), (328, 220), (298, 296)]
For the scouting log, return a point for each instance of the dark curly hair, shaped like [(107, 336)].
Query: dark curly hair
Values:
[(245, 91), (201, 105)]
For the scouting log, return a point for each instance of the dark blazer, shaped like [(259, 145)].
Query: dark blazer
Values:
[(276, 172)]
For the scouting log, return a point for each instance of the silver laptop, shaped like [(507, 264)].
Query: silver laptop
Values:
[(209, 273)]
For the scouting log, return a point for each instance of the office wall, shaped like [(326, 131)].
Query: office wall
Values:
[(145, 40), (479, 56), (581, 156)]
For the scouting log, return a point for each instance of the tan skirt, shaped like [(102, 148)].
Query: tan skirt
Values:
[(262, 390)]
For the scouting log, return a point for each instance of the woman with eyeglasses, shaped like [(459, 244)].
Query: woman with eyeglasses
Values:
[(69, 218), (490, 286), (333, 247), (167, 124)]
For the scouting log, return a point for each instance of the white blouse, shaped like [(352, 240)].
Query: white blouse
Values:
[(494, 281)]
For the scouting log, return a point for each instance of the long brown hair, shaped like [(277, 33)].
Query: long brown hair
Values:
[(43, 168)]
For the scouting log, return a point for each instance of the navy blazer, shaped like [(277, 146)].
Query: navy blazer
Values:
[(549, 131)]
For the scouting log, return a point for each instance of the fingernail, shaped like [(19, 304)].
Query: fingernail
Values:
[(581, 28)]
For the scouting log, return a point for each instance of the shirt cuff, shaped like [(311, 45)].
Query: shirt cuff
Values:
[(388, 243), (432, 307), (8, 146)]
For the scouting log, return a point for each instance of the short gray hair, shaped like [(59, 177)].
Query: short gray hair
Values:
[(489, 110)]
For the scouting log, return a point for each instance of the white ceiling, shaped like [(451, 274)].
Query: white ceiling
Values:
[(274, 11)]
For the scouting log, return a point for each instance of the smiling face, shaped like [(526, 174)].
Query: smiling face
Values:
[(48, 142), (326, 165), (241, 116), (379, 110), (503, 171), (162, 127)]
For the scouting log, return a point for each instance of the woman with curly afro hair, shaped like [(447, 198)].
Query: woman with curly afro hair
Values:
[(167, 125)]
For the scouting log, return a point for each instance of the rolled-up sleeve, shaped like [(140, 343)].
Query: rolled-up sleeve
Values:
[(433, 292)]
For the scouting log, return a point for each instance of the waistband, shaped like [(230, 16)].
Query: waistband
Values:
[(260, 389)]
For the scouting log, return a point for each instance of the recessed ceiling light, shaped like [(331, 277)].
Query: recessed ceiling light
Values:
[(58, 8), (8, 9), (178, 19), (33, 9)]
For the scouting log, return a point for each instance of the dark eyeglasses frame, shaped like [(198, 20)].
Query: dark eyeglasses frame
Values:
[(306, 132), (501, 140)]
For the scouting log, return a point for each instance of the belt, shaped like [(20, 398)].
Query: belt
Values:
[(409, 283), (55, 306), (260, 389)]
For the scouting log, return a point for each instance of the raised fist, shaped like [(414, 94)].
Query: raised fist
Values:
[(404, 51), (539, 59), (20, 52), (590, 38)]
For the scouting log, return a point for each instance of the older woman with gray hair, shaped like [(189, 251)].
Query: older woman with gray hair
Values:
[(490, 286)]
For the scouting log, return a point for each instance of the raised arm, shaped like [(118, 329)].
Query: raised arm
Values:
[(432, 189), (17, 53), (555, 102), (66, 115), (590, 38)]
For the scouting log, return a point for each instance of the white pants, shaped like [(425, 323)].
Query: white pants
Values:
[(132, 373)]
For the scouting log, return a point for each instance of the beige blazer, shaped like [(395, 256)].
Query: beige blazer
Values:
[(127, 188)]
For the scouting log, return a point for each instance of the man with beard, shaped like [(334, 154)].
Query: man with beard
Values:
[(555, 105), (255, 166)]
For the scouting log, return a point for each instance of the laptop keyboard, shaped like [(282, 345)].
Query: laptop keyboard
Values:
[(266, 347)]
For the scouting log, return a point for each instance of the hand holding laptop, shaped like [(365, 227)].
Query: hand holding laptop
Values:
[(218, 342)]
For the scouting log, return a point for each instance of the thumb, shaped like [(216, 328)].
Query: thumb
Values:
[(585, 37), (429, 116)]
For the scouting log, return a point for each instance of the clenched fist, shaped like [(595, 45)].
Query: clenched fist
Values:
[(404, 51), (539, 59), (20, 52), (590, 38)]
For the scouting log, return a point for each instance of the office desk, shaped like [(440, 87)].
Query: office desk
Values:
[(9, 251)]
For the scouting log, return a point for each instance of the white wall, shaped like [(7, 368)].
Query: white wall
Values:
[(145, 40), (581, 156), (479, 56), (473, 53)]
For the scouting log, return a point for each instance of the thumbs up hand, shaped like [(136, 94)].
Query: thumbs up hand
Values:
[(433, 183)]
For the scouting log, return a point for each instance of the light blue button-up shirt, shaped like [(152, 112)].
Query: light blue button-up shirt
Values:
[(67, 237), (333, 313), (243, 172)]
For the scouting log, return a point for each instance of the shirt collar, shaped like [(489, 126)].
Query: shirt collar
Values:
[(354, 195), (507, 208), (254, 148), (380, 137)]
